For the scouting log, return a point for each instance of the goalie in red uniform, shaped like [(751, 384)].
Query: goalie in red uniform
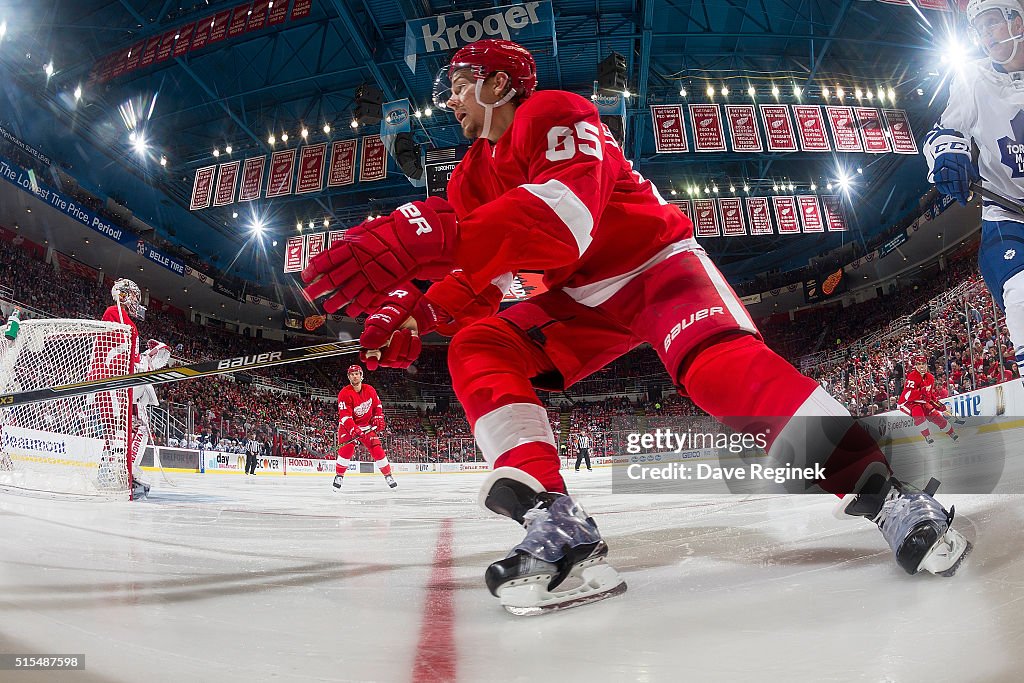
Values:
[(128, 304), (360, 418), (545, 187), (918, 400)]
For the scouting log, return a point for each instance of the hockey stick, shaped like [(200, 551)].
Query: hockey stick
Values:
[(1003, 201), (194, 371)]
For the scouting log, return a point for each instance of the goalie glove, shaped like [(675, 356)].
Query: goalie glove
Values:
[(949, 163), (391, 335), (417, 240), (156, 355)]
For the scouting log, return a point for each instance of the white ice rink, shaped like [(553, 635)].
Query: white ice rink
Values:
[(226, 578)]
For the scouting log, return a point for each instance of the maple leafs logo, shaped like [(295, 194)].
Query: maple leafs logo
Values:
[(1011, 150)]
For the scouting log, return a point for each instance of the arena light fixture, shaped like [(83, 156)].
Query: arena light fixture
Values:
[(858, 93), (746, 188), (234, 214), (138, 141), (814, 187), (428, 111), (273, 244), (3, 29), (870, 95), (732, 188), (725, 91), (327, 129), (710, 91), (312, 225), (354, 124), (298, 226), (797, 91), (682, 92), (48, 68), (216, 152), (163, 160), (257, 227), (751, 91), (228, 149), (304, 133), (839, 92), (824, 92), (775, 91), (271, 139), (78, 92), (284, 137), (892, 96), (714, 188), (418, 114), (673, 192), (327, 222)]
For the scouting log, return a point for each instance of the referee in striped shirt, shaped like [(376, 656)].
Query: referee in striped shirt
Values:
[(583, 450), (252, 450)]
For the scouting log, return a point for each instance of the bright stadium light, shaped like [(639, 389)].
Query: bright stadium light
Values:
[(78, 92), (234, 214), (138, 141), (428, 111), (775, 91), (354, 124), (228, 149), (3, 29), (327, 129), (304, 133), (797, 91), (271, 139), (284, 137), (813, 187), (48, 68), (312, 225), (163, 160), (298, 226), (710, 91), (725, 91), (751, 91), (954, 53), (257, 227), (274, 243), (824, 92), (746, 188), (216, 152), (682, 92)]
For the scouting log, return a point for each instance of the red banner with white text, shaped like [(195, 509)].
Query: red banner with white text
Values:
[(202, 191), (746, 137), (778, 127), (252, 179), (282, 163), (226, 178), (311, 168), (373, 164), (757, 215), (785, 215), (810, 124), (669, 128), (732, 216), (708, 133), (706, 218), (810, 213), (844, 129)]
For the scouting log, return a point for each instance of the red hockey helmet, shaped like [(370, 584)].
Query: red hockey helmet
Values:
[(486, 57), (919, 359), (354, 368)]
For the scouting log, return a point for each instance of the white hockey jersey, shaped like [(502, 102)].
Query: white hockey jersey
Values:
[(987, 106)]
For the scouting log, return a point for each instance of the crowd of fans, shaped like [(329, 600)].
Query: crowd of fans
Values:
[(965, 339)]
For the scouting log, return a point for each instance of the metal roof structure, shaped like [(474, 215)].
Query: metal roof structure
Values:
[(303, 73)]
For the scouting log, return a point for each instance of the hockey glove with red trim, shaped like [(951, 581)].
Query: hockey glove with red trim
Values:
[(417, 240), (456, 297), (391, 335)]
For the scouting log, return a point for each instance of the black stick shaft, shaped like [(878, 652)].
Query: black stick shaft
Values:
[(208, 368), (1005, 202)]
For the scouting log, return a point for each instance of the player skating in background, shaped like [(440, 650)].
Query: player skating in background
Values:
[(360, 418), (986, 106), (918, 400), (545, 187), (127, 306)]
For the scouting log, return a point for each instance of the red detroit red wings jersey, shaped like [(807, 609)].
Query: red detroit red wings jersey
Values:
[(358, 408), (112, 314), (556, 194), (918, 389)]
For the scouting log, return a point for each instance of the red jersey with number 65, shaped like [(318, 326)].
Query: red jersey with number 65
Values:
[(358, 408), (919, 389), (555, 194)]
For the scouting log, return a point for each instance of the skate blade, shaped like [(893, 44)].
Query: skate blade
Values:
[(938, 563), (599, 581)]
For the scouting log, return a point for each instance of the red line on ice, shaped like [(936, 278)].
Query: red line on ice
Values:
[(435, 651)]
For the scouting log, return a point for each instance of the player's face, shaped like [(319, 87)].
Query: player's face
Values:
[(996, 35), (355, 377), (463, 101), (922, 367)]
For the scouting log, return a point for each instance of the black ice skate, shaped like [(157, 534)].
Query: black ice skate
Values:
[(929, 440), (563, 547), (337, 482), (391, 481), (140, 489), (916, 527)]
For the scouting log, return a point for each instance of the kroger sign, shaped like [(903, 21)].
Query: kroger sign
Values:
[(447, 32)]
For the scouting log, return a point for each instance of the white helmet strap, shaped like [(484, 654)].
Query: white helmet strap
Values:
[(489, 108)]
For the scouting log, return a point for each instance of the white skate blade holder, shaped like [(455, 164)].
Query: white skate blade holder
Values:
[(948, 553), (529, 596)]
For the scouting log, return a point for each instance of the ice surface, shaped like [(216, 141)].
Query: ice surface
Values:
[(231, 578)]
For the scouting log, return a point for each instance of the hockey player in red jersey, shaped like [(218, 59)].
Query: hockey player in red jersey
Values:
[(545, 187), (360, 418), (919, 401), (128, 303)]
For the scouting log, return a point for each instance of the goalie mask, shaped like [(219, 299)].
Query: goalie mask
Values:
[(997, 26), (126, 293), (483, 58)]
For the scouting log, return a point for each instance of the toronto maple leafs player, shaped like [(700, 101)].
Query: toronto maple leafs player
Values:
[(986, 106)]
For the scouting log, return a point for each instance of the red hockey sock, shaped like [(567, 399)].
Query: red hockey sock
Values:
[(380, 459), (490, 364), (739, 378)]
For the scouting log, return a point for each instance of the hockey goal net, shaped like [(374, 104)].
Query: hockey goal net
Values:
[(76, 445)]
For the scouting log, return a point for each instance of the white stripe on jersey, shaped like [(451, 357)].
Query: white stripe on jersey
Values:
[(596, 293), (573, 212), (504, 428), (734, 306)]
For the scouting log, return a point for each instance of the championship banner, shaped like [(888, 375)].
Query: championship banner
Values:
[(810, 213), (743, 128), (870, 123), (252, 179), (446, 33), (333, 237), (785, 215), (258, 18), (844, 132), (226, 178), (757, 215), (238, 19), (669, 129), (938, 5), (149, 53), (220, 26), (278, 13), (732, 216), (706, 218), (166, 45), (708, 133), (778, 128), (810, 124), (311, 168), (301, 8), (202, 191), (343, 163), (373, 164), (294, 250), (202, 35), (281, 165), (134, 55), (835, 218), (184, 40), (119, 63), (898, 123), (314, 245), (684, 206)]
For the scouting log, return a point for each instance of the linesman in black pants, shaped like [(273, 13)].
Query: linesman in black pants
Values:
[(583, 450), (252, 450)]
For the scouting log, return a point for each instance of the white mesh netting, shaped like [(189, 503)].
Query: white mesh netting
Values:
[(75, 445)]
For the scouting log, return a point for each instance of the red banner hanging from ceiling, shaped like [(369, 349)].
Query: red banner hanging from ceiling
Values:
[(293, 254), (844, 129), (757, 214), (311, 168), (343, 163), (226, 178), (669, 128), (746, 137), (778, 127), (785, 215), (810, 124), (282, 163), (732, 216), (202, 191), (708, 133), (835, 217), (870, 123), (252, 179), (902, 135), (810, 213), (373, 164), (184, 40), (706, 218)]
